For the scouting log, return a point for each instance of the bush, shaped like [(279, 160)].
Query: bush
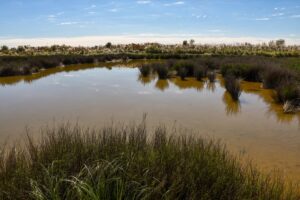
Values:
[(274, 77), (287, 92), (236, 70), (253, 73), (161, 70), (187, 65), (182, 72), (145, 70), (130, 163), (211, 76), (200, 72), (8, 71), (232, 85)]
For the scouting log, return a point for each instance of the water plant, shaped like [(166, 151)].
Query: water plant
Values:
[(162, 70), (145, 70), (232, 85), (211, 75), (200, 72)]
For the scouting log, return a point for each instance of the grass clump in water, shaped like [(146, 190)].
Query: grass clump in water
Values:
[(161, 70), (125, 162), (145, 70), (211, 75), (232, 85)]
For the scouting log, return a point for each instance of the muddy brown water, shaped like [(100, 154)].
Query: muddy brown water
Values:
[(255, 127)]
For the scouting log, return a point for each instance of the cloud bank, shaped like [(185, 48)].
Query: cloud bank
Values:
[(141, 38)]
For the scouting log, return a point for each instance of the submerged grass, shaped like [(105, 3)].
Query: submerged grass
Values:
[(127, 162)]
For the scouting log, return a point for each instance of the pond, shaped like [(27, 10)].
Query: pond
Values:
[(92, 95)]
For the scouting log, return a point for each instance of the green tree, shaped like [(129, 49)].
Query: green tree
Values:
[(108, 45)]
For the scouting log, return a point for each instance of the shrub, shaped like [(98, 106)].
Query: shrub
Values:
[(145, 70), (232, 85), (187, 65), (236, 70), (274, 77), (161, 70), (182, 72), (8, 71), (287, 92), (211, 75), (253, 73), (200, 73)]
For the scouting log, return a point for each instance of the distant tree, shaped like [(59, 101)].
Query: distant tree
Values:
[(20, 49), (108, 45), (185, 43), (4, 48), (192, 42), (280, 43)]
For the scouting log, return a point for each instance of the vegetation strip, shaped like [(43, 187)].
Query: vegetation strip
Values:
[(128, 162)]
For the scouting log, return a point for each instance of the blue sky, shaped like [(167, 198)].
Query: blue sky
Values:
[(207, 18)]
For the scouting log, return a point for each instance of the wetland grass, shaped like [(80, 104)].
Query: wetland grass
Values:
[(129, 162), (232, 85)]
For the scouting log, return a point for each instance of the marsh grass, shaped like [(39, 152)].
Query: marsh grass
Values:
[(232, 85), (211, 75), (161, 70), (145, 70), (275, 76), (287, 92), (200, 72), (129, 162)]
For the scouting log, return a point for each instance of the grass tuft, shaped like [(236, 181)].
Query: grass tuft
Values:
[(232, 85)]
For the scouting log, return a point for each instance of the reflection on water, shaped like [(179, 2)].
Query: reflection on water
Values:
[(162, 84), (188, 83), (232, 107), (91, 94)]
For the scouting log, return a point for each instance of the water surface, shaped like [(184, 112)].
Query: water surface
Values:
[(255, 127)]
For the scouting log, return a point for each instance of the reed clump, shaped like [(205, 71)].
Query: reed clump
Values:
[(232, 85)]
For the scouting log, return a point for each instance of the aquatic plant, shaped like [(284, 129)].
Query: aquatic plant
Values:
[(211, 75), (129, 162), (232, 85), (145, 70), (200, 72), (275, 76), (182, 72), (287, 92), (162, 70)]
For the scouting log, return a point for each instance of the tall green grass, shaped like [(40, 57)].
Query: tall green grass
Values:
[(129, 162)]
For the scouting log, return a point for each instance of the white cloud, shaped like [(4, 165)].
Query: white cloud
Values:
[(175, 3), (53, 17), (282, 8), (140, 38), (69, 23), (262, 19), (277, 14), (200, 16), (143, 2)]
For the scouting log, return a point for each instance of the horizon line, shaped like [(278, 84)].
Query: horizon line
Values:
[(167, 39)]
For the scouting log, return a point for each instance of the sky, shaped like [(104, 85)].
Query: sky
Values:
[(86, 22)]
